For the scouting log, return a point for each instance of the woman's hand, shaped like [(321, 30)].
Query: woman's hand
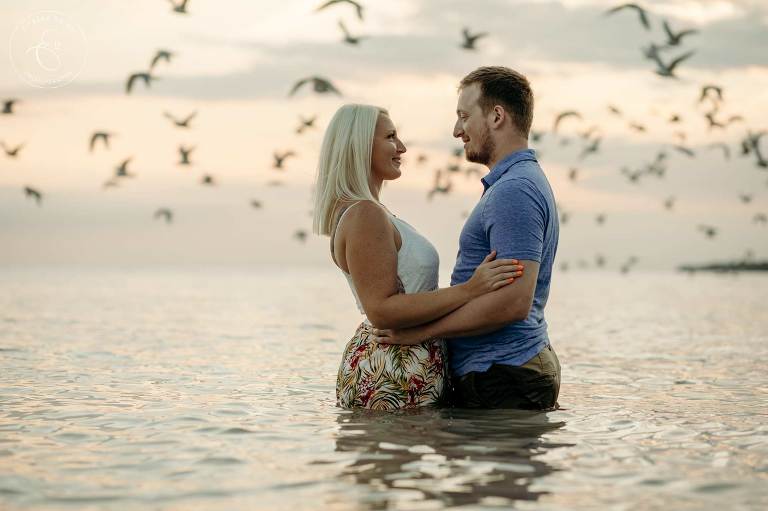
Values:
[(493, 274), (406, 336)]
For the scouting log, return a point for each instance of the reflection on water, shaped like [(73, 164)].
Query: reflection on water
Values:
[(214, 390), (448, 457)]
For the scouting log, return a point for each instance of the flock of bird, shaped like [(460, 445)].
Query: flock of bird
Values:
[(710, 97)]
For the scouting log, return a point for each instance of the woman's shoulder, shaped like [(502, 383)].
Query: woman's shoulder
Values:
[(363, 211)]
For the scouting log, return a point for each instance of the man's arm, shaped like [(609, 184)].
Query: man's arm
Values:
[(482, 315)]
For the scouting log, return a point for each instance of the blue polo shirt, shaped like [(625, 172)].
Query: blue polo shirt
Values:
[(516, 216)]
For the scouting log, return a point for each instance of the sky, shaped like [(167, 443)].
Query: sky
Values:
[(235, 61)]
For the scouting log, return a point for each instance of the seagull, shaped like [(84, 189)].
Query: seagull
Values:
[(440, 185), (591, 148), (669, 203), (207, 179), (165, 213), (8, 105), (706, 89), (300, 235), (160, 55), (256, 204), (673, 39), (614, 110), (563, 115), (723, 146), (668, 70), (717, 124), (280, 158), (675, 118), (651, 51), (471, 39), (319, 85), (573, 173), (686, 151), (745, 198), (637, 127), (184, 153), (357, 6), (110, 183), (99, 135), (12, 152), (145, 77), (306, 123), (35, 194), (632, 175), (349, 38), (599, 260), (600, 219), (751, 144), (181, 123), (535, 136), (180, 8), (640, 11), (708, 230), (122, 169), (760, 218), (628, 265)]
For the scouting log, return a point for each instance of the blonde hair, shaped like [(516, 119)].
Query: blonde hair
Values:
[(344, 168)]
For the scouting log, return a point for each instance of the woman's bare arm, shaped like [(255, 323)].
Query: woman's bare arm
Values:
[(371, 256)]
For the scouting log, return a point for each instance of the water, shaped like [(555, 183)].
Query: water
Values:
[(213, 389)]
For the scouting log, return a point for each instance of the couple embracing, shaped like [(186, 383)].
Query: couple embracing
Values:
[(482, 342)]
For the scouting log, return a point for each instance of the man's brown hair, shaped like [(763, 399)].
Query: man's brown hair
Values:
[(502, 86)]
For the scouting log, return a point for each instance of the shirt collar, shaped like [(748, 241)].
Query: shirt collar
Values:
[(505, 164)]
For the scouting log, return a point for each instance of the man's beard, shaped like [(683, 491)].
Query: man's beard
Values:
[(485, 153)]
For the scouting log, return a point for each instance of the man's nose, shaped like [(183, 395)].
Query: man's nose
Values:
[(457, 131)]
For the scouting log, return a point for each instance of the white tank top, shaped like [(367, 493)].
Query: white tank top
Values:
[(417, 260)]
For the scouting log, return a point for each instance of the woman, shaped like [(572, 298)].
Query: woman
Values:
[(392, 270)]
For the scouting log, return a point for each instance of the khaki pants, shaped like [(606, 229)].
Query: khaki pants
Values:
[(534, 385)]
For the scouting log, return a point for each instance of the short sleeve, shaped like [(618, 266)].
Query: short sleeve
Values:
[(515, 219)]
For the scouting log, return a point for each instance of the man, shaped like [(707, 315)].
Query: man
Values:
[(500, 355)]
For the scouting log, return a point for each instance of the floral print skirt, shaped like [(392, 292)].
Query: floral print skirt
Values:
[(388, 376)]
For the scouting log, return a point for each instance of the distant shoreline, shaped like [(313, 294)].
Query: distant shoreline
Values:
[(726, 266)]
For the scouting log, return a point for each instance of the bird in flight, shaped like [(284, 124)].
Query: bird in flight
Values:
[(349, 38), (160, 55), (708, 230), (164, 213), (640, 12), (181, 123), (319, 85), (12, 152), (145, 77), (563, 115), (470, 39), (208, 180), (8, 105), (357, 6), (300, 235), (668, 70), (34, 194), (281, 157), (180, 7), (122, 169), (306, 124), (99, 135), (674, 38), (184, 153)]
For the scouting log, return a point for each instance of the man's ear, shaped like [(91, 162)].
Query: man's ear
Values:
[(499, 114)]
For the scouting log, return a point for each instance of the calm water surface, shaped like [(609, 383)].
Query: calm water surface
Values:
[(213, 389)]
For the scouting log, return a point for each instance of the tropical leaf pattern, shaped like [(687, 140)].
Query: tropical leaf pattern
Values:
[(388, 376)]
